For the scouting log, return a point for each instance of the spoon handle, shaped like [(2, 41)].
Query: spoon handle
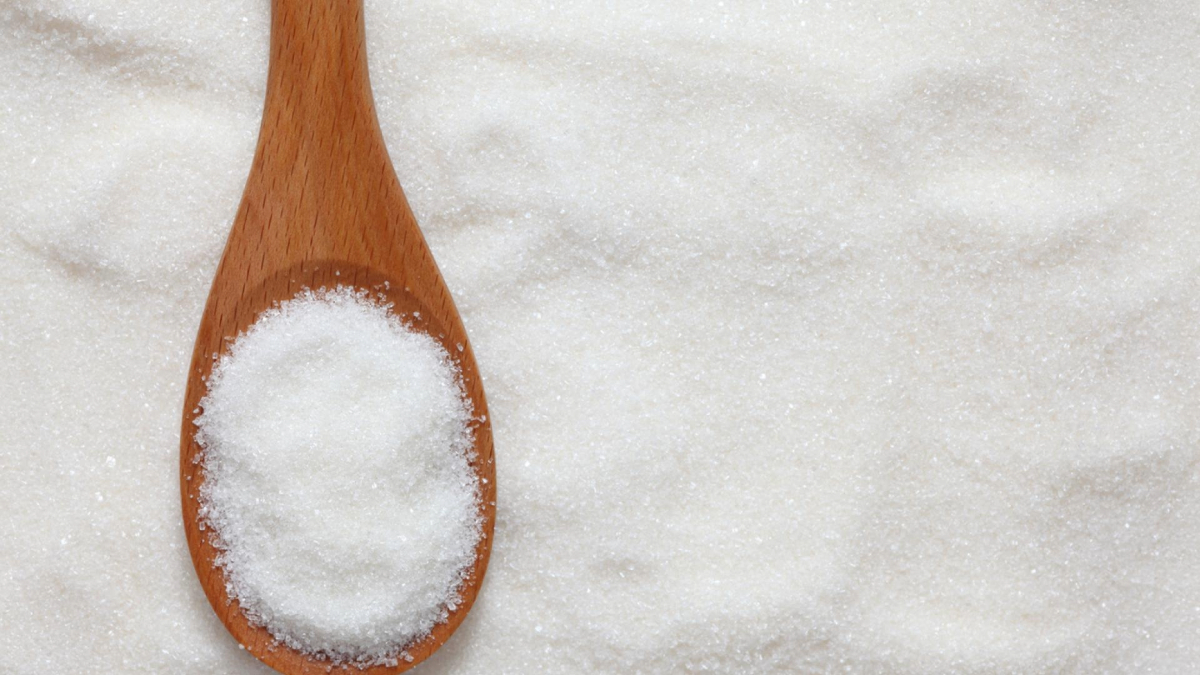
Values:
[(321, 171), (318, 90)]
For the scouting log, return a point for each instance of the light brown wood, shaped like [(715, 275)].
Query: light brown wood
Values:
[(322, 207)]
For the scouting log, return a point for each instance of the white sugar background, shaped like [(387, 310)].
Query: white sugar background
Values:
[(854, 336)]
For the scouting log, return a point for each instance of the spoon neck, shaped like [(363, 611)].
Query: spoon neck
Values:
[(317, 84)]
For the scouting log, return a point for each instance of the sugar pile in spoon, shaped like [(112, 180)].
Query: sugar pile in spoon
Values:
[(338, 483)]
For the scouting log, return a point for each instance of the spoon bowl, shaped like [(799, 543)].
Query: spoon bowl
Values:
[(323, 208)]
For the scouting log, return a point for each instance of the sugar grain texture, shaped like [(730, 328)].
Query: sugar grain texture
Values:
[(855, 337), (336, 445)]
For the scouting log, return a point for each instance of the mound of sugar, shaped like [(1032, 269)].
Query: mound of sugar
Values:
[(336, 446)]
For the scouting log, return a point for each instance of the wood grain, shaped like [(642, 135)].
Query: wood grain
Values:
[(323, 207)]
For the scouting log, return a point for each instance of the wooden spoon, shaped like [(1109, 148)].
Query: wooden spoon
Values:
[(322, 208)]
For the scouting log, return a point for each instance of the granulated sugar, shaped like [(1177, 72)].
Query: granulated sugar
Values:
[(855, 337), (337, 482)]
